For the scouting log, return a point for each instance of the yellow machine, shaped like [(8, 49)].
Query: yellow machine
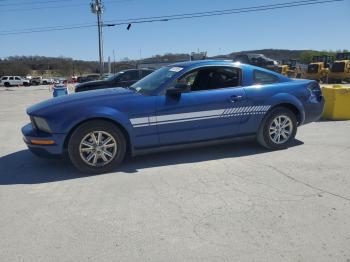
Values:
[(290, 68), (282, 69), (340, 70), (319, 68)]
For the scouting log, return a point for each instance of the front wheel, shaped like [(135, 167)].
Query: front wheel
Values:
[(278, 129), (97, 147)]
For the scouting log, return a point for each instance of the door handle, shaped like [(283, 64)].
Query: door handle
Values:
[(236, 98)]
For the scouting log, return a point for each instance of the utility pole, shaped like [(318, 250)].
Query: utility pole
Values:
[(113, 62), (97, 8)]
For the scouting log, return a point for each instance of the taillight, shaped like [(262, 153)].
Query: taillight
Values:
[(315, 90)]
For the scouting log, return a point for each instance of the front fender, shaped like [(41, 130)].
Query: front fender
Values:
[(286, 98), (92, 112)]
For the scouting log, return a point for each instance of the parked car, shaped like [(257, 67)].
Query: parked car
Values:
[(257, 60), (185, 104), (14, 81), (39, 80), (121, 79), (87, 78)]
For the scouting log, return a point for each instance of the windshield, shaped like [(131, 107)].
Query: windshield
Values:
[(338, 67), (154, 80)]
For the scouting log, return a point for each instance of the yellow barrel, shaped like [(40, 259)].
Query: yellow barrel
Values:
[(337, 105)]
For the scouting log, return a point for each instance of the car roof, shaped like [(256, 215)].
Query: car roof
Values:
[(136, 69), (202, 63), (199, 63), (9, 76)]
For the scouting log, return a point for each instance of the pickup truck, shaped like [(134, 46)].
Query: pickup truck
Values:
[(41, 81), (14, 81)]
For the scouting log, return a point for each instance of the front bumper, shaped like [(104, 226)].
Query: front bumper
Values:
[(31, 134)]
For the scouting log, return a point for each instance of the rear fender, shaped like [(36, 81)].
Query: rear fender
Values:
[(285, 98)]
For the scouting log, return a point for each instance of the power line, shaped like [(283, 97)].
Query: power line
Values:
[(219, 12), (34, 3), (54, 6), (174, 17), (177, 16), (215, 11)]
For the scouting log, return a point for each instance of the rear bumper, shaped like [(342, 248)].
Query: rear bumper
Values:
[(314, 110), (53, 150)]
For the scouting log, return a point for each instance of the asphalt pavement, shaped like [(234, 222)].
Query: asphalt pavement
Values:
[(234, 202)]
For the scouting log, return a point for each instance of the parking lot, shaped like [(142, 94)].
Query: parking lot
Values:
[(234, 202)]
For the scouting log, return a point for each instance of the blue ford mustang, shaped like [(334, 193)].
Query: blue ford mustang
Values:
[(184, 104)]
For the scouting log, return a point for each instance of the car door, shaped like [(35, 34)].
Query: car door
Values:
[(12, 80), (211, 110), (18, 81), (259, 88)]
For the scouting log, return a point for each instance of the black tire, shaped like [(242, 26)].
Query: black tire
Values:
[(7, 84), (263, 135), (81, 132), (44, 83)]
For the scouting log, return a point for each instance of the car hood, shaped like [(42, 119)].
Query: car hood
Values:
[(78, 99)]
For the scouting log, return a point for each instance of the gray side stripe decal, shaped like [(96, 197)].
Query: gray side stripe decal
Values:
[(193, 116)]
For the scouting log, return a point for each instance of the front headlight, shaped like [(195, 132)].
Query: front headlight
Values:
[(41, 124)]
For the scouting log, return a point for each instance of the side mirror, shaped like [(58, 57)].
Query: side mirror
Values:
[(178, 89)]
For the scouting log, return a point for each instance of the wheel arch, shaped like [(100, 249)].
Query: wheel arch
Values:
[(106, 119), (290, 102), (292, 108)]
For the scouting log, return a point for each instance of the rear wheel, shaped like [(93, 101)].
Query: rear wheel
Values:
[(96, 147), (7, 84), (278, 129)]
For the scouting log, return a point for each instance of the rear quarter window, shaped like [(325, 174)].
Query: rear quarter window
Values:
[(263, 78), (4, 78)]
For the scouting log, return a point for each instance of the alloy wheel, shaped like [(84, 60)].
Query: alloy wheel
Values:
[(281, 128), (98, 148)]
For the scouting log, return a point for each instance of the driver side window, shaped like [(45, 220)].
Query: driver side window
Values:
[(211, 78)]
